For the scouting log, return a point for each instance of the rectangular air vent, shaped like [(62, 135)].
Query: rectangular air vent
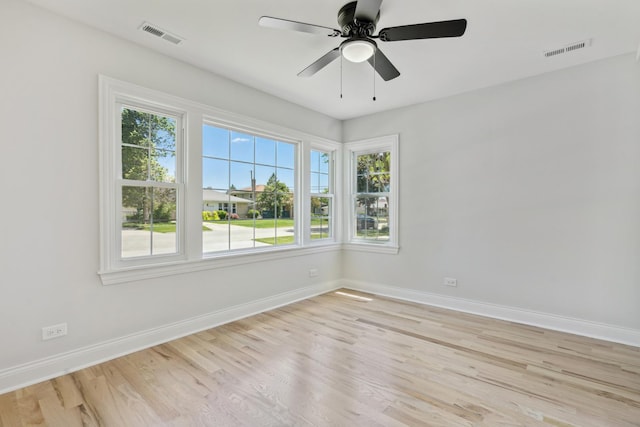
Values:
[(158, 32), (569, 48)]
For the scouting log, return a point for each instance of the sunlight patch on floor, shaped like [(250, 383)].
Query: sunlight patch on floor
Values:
[(358, 297)]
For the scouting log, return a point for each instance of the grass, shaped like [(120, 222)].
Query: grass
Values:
[(160, 227), (268, 223), (287, 240)]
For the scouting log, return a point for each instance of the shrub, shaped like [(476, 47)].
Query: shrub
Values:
[(234, 216), (222, 214), (253, 213), (210, 216), (162, 212)]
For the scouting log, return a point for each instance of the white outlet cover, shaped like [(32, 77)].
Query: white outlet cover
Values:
[(449, 281), (54, 331)]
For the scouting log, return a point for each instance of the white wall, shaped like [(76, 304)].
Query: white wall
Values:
[(527, 193), (49, 170)]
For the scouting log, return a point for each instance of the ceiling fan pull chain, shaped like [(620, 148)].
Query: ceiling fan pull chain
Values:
[(374, 76), (340, 76)]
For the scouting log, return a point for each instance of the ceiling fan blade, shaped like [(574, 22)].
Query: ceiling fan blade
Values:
[(325, 60), (429, 30), (383, 66), (285, 24), (367, 10)]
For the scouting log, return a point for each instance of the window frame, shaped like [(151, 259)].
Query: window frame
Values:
[(190, 256), (335, 184), (297, 143), (352, 150)]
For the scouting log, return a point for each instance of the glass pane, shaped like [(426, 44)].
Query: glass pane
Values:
[(136, 127), (323, 184), (265, 151), (320, 218), (215, 174), (263, 175), (241, 147), (373, 172), (372, 218), (241, 175), (286, 155), (148, 221), (315, 161), (136, 213), (315, 182), (215, 234), (215, 142), (163, 221), (156, 134), (324, 163), (164, 166), (242, 236), (286, 177), (135, 163)]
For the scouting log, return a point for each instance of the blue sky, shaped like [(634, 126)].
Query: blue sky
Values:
[(228, 159)]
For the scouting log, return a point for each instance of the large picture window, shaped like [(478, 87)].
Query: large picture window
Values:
[(255, 176)]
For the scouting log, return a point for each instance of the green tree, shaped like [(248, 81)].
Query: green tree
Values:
[(275, 197), (373, 172), (146, 139), (373, 176)]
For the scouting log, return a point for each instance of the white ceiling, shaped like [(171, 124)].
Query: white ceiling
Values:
[(504, 41)]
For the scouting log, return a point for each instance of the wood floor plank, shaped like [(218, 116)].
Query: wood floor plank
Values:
[(349, 358)]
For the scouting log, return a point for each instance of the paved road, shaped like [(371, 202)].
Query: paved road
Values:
[(221, 237)]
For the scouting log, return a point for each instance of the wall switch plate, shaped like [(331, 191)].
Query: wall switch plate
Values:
[(313, 272), (449, 281), (54, 331)]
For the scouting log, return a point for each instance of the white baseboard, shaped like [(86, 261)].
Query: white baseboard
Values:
[(528, 317), (36, 371)]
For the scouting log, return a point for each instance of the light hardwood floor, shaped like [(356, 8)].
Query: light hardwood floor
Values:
[(336, 360)]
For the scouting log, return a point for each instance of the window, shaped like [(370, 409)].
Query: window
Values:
[(186, 187), (147, 186), (255, 178), (373, 192), (321, 195)]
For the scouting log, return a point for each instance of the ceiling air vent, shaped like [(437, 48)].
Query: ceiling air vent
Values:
[(569, 48), (158, 32)]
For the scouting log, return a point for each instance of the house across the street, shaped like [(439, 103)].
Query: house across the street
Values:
[(213, 200)]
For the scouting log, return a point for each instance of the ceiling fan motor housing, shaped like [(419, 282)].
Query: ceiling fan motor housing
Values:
[(352, 27)]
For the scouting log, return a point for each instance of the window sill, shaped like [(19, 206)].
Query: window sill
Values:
[(132, 274), (378, 248)]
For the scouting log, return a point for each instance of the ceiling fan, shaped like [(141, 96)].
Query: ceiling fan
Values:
[(358, 20)]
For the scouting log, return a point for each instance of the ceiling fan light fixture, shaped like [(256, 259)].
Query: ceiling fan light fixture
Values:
[(357, 50)]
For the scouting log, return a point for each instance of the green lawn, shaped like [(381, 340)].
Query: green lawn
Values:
[(287, 240), (161, 227), (268, 223)]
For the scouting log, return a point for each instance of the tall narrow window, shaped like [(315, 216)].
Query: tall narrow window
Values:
[(148, 185), (253, 178), (321, 193), (373, 199)]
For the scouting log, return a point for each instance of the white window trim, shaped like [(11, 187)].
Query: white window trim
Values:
[(382, 143), (190, 257), (335, 184)]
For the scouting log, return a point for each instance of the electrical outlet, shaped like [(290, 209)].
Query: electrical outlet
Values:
[(313, 272), (449, 281), (54, 331)]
